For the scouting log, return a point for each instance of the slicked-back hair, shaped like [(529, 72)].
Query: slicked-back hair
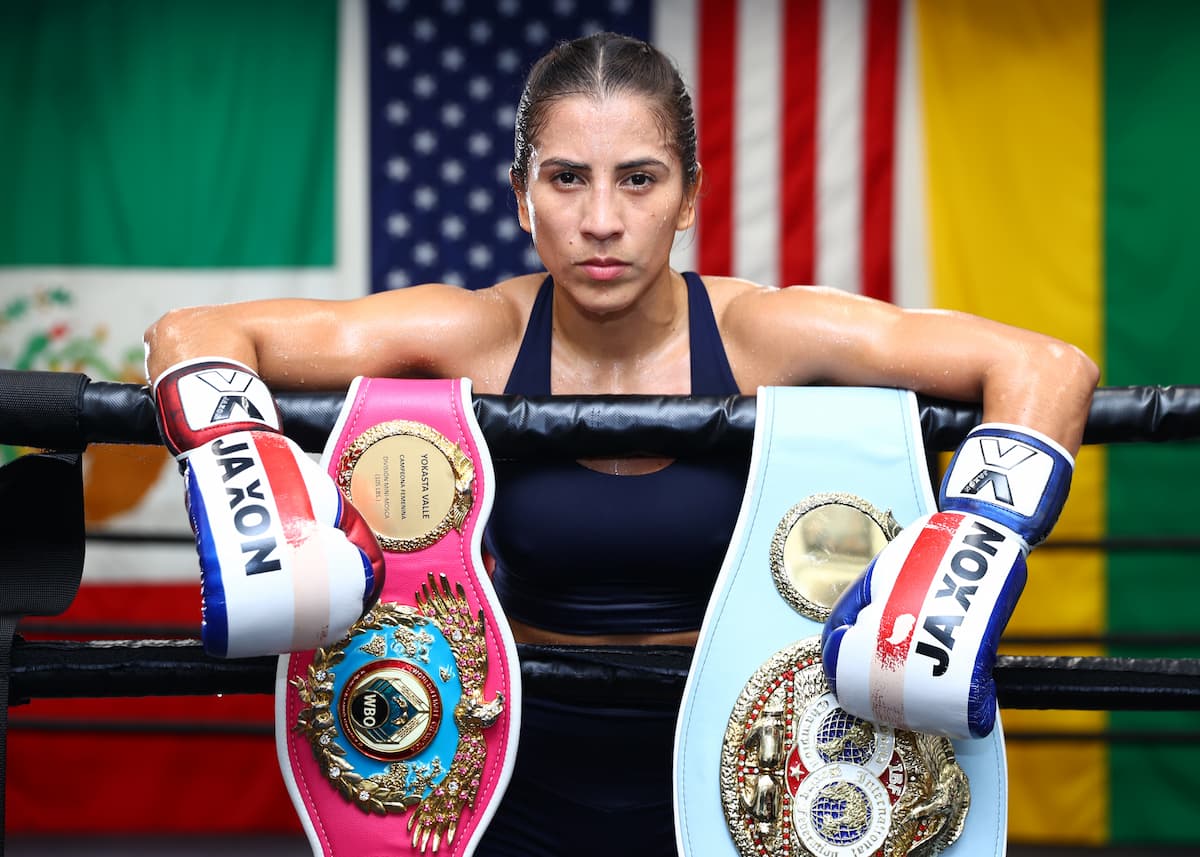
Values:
[(598, 66)]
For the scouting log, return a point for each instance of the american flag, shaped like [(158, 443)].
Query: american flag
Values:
[(445, 79), (808, 136)]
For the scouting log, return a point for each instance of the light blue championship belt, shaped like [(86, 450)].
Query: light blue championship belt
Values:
[(766, 763)]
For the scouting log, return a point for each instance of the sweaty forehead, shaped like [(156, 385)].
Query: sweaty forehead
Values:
[(582, 128)]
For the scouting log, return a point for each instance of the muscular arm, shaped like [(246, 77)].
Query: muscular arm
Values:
[(934, 673), (816, 335), (431, 330)]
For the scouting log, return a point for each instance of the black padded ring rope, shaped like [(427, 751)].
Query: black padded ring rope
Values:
[(60, 669), (74, 411), (41, 557)]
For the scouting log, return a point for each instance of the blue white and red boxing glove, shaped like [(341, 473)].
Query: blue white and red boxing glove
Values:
[(286, 562), (912, 643)]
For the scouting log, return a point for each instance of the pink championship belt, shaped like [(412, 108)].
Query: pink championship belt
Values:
[(400, 738)]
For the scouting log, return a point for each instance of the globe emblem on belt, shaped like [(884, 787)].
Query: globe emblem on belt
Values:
[(827, 734), (842, 810), (842, 737), (840, 813), (390, 710), (841, 806), (801, 776)]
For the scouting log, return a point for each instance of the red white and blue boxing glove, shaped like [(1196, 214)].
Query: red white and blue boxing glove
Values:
[(912, 643), (286, 562)]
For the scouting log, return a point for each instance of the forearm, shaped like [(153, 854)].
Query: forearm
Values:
[(184, 334), (1020, 376), (291, 344)]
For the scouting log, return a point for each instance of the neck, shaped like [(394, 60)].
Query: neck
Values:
[(629, 332), (630, 350)]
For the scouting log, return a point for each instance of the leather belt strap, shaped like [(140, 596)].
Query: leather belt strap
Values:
[(765, 762), (400, 739)]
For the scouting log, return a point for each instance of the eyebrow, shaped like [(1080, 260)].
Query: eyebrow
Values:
[(625, 165)]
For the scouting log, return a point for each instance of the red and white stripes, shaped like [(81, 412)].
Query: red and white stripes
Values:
[(809, 140)]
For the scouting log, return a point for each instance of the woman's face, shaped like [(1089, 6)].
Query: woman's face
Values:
[(604, 199)]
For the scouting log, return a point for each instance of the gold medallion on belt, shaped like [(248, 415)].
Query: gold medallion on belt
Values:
[(801, 776), (411, 483), (375, 703)]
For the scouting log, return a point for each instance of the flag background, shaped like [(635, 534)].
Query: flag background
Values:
[(1027, 161)]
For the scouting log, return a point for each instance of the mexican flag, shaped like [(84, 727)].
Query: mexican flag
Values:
[(154, 155)]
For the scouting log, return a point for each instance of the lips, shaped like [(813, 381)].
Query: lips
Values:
[(603, 268)]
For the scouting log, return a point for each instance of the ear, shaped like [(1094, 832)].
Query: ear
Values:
[(518, 188), (687, 207)]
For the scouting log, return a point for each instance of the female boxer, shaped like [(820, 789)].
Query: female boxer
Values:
[(622, 551)]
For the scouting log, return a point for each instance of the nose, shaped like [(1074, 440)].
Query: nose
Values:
[(601, 215)]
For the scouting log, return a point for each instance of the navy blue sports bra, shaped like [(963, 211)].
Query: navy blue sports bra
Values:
[(582, 552)]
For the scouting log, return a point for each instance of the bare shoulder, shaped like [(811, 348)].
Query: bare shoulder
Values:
[(724, 292), (776, 335), (744, 308)]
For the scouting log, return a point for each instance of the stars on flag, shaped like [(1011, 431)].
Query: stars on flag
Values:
[(445, 78)]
